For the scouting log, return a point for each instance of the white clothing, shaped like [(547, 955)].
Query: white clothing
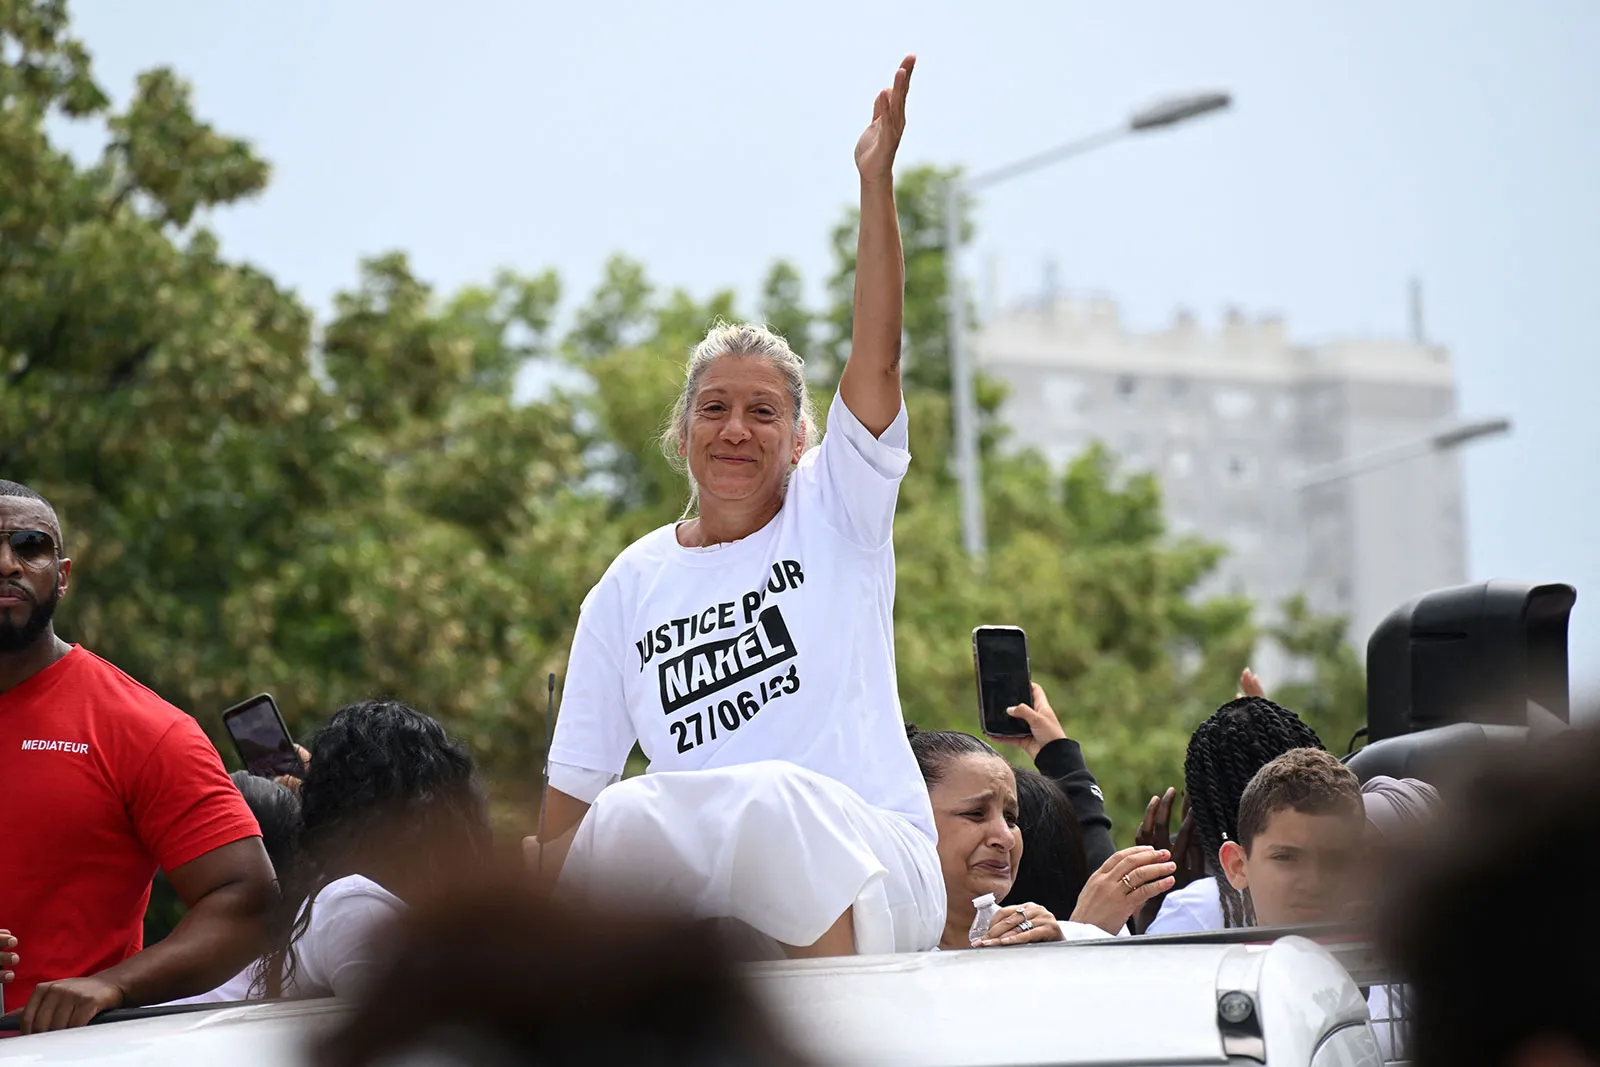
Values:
[(1197, 906), (337, 955), (775, 846), (777, 646), (765, 667)]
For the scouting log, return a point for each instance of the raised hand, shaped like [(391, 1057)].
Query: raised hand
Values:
[(881, 140), (1155, 831), (1250, 684), (1043, 725)]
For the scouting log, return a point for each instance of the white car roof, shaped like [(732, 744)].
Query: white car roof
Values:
[(1101, 1002), (1108, 1002)]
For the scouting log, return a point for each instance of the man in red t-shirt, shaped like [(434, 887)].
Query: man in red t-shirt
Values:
[(101, 783)]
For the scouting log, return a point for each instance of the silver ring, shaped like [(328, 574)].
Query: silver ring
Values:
[(1025, 924)]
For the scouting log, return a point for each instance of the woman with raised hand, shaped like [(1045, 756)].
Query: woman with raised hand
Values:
[(749, 649)]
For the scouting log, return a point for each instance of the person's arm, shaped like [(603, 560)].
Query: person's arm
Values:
[(229, 892), (870, 385), (1062, 760), (593, 734), (545, 856), (1058, 757)]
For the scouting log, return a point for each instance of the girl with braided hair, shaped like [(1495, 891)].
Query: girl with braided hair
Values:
[(1224, 753)]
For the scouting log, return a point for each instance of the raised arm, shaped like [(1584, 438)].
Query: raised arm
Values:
[(870, 385)]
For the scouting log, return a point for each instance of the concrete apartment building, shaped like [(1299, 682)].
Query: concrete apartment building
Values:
[(1230, 419)]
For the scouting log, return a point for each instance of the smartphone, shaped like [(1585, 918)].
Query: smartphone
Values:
[(1000, 659), (262, 738)]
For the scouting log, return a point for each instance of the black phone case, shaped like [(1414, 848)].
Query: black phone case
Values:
[(1017, 728), (230, 713)]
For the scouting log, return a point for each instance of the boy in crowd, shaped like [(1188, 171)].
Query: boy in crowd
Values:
[(1301, 822)]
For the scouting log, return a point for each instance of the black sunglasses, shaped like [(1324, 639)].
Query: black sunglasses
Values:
[(31, 547)]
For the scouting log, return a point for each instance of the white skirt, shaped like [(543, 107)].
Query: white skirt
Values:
[(770, 844)]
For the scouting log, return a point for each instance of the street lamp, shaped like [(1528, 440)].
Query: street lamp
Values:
[(965, 412), (1441, 440)]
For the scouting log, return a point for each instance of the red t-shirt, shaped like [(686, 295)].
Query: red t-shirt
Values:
[(101, 782)]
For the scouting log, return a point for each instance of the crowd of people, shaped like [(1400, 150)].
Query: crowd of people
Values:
[(749, 650)]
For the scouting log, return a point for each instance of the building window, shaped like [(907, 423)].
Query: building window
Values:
[(1127, 385), (1180, 463), (1179, 387)]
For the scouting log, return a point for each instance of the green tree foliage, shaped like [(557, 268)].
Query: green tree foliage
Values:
[(366, 508)]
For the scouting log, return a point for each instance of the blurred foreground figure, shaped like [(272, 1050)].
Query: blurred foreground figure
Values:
[(508, 982), (1499, 973)]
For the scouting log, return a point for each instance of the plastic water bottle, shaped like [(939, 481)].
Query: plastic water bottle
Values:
[(986, 911)]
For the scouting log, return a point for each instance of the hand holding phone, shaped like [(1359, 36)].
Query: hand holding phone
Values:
[(262, 738), (1043, 725), (1000, 660)]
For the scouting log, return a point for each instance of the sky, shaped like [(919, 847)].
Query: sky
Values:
[(1457, 141)]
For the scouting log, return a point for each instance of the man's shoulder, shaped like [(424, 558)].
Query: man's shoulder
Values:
[(112, 689)]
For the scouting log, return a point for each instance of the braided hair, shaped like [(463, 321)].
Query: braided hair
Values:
[(1225, 752)]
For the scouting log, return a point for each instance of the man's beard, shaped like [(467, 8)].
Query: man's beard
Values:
[(17, 638)]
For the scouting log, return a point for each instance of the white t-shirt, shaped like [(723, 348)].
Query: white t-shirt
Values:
[(777, 646), (1197, 906), (337, 955)]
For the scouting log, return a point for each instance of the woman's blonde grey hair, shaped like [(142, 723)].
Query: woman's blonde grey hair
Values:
[(747, 340)]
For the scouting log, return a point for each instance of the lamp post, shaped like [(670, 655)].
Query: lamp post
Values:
[(965, 411), (1441, 440)]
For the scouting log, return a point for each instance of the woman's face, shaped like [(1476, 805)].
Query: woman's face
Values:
[(741, 441), (975, 810)]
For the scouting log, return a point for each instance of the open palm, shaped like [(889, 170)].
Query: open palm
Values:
[(881, 139)]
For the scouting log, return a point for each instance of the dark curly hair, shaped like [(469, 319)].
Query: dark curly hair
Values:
[(1053, 868), (1225, 752), (380, 772), (935, 748)]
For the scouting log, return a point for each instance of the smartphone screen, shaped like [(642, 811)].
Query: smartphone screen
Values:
[(262, 739), (1000, 656)]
